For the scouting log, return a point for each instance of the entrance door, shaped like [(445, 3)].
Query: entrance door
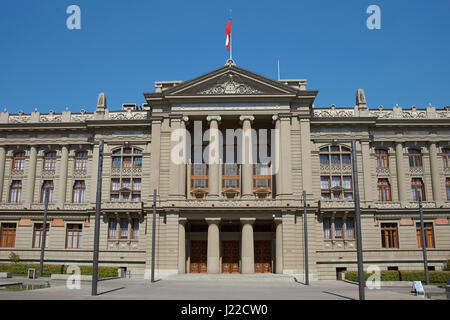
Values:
[(198, 257), (263, 256), (230, 256)]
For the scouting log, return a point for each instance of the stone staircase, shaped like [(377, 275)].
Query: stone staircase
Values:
[(231, 277)]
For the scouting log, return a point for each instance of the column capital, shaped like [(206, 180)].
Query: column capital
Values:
[(248, 220), (285, 116), (278, 221), (156, 120), (182, 221), (213, 220), (214, 118), (185, 119), (245, 118)]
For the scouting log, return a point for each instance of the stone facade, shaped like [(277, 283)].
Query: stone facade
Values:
[(249, 225)]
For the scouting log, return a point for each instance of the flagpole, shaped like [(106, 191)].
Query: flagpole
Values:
[(231, 36)]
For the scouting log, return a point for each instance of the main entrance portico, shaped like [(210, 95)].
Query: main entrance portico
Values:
[(215, 245)]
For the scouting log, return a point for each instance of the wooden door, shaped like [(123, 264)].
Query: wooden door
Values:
[(198, 257), (263, 256), (8, 235), (230, 257)]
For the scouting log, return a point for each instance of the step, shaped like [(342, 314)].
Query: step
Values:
[(231, 277)]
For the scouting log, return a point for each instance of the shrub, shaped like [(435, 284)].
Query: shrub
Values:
[(21, 269), (437, 277), (14, 257)]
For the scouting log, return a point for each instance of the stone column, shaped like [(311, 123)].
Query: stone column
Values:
[(279, 246), (247, 161), (182, 246), (31, 175), (213, 264), (2, 170), (184, 166), (63, 175), (435, 173), (247, 246), (400, 172), (285, 154), (214, 156)]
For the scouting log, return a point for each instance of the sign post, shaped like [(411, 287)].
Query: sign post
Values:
[(44, 232)]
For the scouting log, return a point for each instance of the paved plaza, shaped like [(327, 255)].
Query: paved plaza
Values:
[(204, 288)]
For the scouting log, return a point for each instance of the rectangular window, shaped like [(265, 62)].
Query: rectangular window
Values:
[(335, 160), (338, 228), (335, 182), (326, 228), (136, 197), (74, 234), (429, 235), (136, 184), (123, 229), (115, 197), (8, 235), (115, 184), (135, 229), (384, 190), (389, 235), (350, 233), (417, 189), (117, 162), (325, 183), (126, 183), (347, 182), (37, 235), (447, 185), (346, 160), (324, 160), (138, 162), (126, 162), (15, 192), (112, 229)]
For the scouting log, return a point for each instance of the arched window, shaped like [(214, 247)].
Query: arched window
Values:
[(336, 179), (50, 160), (381, 156), (446, 157), (79, 192), (415, 158), (18, 161), (15, 192), (127, 158), (47, 185), (81, 160), (384, 190)]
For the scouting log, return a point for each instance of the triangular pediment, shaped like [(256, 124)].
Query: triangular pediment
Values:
[(230, 81)]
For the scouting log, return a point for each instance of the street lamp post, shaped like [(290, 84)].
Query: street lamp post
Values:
[(305, 234), (424, 244), (44, 232), (97, 220), (153, 236), (358, 225)]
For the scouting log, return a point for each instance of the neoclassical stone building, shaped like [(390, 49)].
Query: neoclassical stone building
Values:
[(228, 217)]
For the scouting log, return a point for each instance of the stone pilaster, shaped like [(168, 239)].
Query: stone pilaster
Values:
[(276, 155), (247, 161), (184, 166), (279, 246), (182, 246), (213, 262), (305, 134), (435, 178), (174, 159), (247, 246), (285, 154), (2, 170), (63, 175), (401, 171), (31, 176), (367, 163), (155, 154), (214, 156)]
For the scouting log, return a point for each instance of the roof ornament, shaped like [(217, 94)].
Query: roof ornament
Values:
[(361, 99), (101, 103), (230, 62)]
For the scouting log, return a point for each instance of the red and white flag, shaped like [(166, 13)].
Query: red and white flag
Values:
[(228, 33)]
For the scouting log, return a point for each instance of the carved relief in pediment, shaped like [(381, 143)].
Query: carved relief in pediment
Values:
[(230, 84)]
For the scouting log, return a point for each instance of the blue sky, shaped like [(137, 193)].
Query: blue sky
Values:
[(123, 47)]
